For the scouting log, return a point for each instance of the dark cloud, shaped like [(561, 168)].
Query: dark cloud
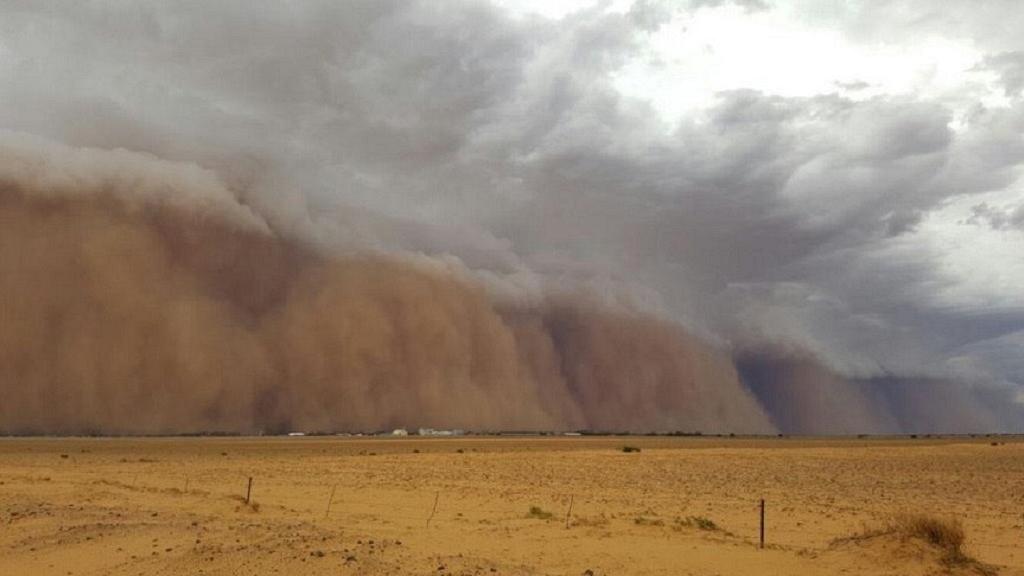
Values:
[(1011, 218), (1010, 67), (802, 397)]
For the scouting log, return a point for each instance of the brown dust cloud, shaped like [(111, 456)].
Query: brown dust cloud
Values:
[(132, 311), (143, 296)]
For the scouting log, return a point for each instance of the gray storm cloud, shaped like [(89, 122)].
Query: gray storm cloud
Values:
[(344, 215)]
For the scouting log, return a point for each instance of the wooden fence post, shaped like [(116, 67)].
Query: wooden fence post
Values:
[(434, 509), (329, 500), (568, 514), (762, 523)]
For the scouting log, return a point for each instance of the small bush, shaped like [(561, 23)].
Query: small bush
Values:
[(945, 534), (698, 522), (628, 449), (539, 513), (645, 521), (251, 506)]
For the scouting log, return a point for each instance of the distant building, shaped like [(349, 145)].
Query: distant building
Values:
[(296, 433)]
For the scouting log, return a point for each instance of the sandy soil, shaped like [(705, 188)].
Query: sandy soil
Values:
[(176, 506)]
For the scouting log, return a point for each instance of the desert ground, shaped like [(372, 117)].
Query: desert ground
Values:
[(488, 505)]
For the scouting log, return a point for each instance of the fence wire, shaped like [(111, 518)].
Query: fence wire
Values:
[(341, 499)]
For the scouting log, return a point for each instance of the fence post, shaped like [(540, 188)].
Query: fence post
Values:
[(568, 514), (762, 523), (248, 491), (329, 500), (434, 509)]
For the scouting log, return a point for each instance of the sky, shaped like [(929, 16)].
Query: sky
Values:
[(840, 178)]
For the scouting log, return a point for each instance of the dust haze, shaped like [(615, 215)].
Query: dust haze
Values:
[(182, 312), (142, 296), (359, 215)]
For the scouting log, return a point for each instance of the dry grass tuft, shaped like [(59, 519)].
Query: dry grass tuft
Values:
[(539, 513), (945, 534), (699, 522), (251, 506)]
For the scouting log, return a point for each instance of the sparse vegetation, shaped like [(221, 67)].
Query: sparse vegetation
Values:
[(628, 449), (946, 535), (251, 506), (539, 513), (589, 500), (699, 522)]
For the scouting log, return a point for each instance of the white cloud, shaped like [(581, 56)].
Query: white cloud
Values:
[(777, 51)]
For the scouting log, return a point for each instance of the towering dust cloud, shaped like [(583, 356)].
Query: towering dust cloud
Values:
[(138, 299), (803, 396)]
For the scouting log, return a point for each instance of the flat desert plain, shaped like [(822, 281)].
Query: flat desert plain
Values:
[(482, 505)]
